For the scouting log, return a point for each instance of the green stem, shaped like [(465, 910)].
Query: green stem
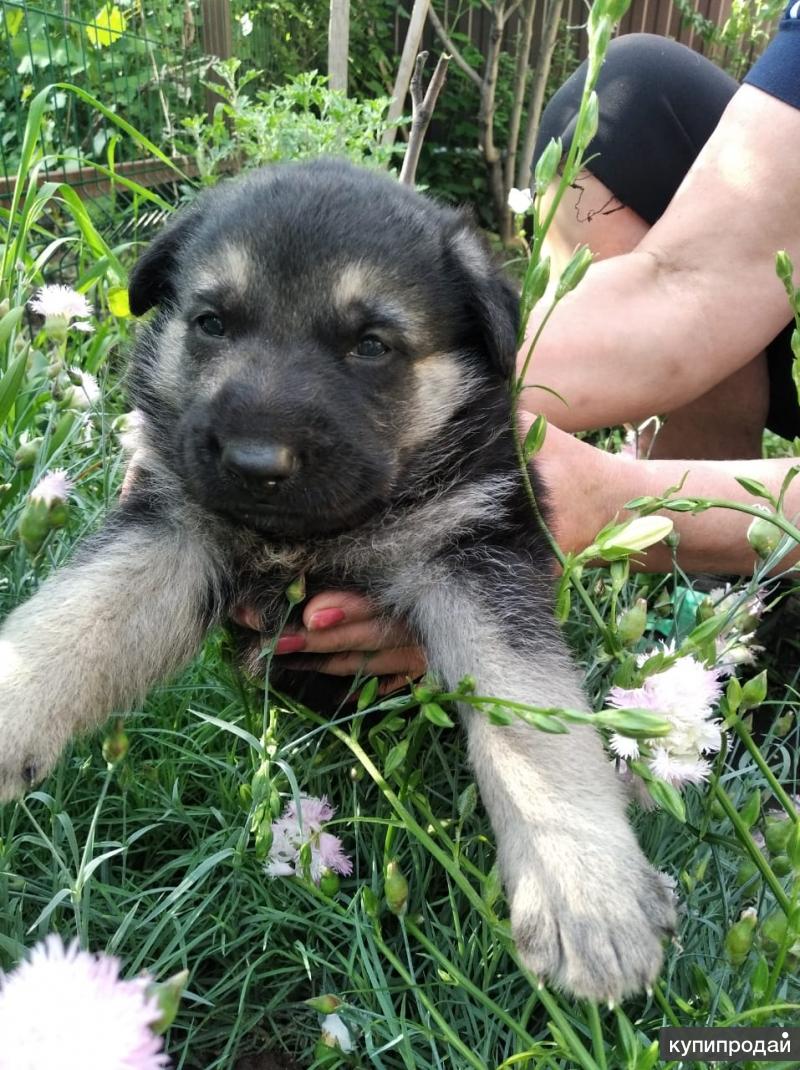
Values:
[(722, 503), (747, 842), (777, 789), (597, 1035), (531, 495)]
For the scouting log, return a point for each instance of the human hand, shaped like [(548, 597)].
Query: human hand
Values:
[(349, 628)]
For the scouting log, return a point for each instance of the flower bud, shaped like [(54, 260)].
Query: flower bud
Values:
[(773, 931), (325, 1004), (168, 997), (534, 286), (633, 536), (632, 623), (589, 118), (574, 271), (781, 866), (28, 453), (763, 536), (33, 526), (395, 889), (739, 938), (296, 591), (547, 165), (329, 883), (776, 834), (784, 268), (115, 746), (746, 872)]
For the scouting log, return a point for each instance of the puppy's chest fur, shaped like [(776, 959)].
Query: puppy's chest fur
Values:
[(399, 548)]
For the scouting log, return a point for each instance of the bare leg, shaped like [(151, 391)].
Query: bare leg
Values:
[(728, 421)]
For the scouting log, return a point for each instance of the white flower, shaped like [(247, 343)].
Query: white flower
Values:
[(685, 693), (84, 391), (296, 830), (69, 1009), (623, 746), (60, 305), (336, 1034), (246, 24), (52, 488), (519, 200)]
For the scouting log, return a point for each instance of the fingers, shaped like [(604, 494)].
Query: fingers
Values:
[(347, 626), (331, 608), (401, 664)]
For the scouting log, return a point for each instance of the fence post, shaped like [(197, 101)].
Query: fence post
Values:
[(338, 44), (217, 41)]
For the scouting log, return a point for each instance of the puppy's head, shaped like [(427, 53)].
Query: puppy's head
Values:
[(318, 326)]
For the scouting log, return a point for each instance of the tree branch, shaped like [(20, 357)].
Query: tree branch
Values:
[(422, 110), (453, 50)]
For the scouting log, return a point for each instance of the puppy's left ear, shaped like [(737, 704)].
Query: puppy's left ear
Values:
[(153, 279), (493, 302)]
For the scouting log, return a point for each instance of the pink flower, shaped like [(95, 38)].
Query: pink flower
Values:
[(60, 305), (685, 694), (294, 831), (54, 487), (67, 1008)]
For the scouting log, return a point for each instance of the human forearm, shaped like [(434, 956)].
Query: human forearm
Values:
[(697, 299), (588, 487)]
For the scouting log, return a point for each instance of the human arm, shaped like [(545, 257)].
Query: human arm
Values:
[(697, 299), (587, 488)]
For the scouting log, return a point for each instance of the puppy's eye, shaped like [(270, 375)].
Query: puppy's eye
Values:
[(369, 346), (211, 325)]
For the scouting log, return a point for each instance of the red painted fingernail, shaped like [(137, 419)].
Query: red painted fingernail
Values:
[(325, 618), (290, 644)]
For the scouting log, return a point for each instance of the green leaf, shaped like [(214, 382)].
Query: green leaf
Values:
[(118, 302), (534, 439), (368, 693), (10, 384), (436, 715), (753, 486), (754, 692), (396, 757), (751, 809)]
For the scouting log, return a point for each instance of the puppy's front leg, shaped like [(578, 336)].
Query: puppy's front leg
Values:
[(587, 910), (95, 637)]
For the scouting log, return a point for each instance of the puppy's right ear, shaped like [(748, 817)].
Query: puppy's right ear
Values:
[(153, 279)]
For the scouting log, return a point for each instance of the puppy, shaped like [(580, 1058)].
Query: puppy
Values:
[(325, 390)]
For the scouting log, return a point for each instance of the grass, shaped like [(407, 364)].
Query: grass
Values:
[(154, 859)]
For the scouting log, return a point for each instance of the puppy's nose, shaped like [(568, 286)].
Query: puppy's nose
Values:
[(259, 463)]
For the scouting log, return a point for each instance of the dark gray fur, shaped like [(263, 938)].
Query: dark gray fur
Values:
[(402, 484)]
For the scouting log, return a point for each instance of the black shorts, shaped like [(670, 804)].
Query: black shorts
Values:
[(659, 104)]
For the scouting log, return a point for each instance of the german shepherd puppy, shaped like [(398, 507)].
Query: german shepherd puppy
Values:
[(325, 390)]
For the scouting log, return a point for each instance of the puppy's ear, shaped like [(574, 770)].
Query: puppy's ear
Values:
[(153, 279), (493, 301)]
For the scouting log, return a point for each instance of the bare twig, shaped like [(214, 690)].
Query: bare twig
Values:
[(544, 58), (404, 72), (452, 49), (422, 105)]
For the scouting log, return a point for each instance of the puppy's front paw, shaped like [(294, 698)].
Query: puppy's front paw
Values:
[(31, 735), (598, 936)]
